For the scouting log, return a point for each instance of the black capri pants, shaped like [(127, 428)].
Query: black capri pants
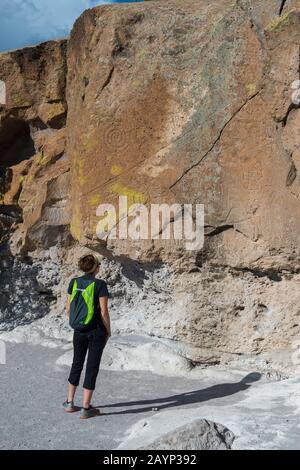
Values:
[(94, 342)]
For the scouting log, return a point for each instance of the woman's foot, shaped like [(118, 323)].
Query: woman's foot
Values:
[(90, 412), (68, 406)]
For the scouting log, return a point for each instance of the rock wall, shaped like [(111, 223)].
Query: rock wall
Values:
[(33, 162), (166, 102), (34, 175)]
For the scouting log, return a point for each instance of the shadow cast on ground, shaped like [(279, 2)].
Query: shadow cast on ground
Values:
[(188, 398)]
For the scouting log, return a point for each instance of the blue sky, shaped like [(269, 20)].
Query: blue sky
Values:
[(28, 22)]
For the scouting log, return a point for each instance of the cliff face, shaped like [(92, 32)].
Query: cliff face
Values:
[(167, 102), (34, 167), (188, 104)]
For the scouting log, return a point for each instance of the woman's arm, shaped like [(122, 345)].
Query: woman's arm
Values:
[(68, 306), (104, 314)]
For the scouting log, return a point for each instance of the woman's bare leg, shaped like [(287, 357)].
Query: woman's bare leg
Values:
[(87, 397), (71, 392)]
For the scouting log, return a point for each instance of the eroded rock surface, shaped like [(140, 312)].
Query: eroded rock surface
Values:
[(199, 435), (32, 142), (165, 102)]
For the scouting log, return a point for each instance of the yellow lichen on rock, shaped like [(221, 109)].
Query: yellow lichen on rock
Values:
[(116, 170), (278, 23), (133, 196)]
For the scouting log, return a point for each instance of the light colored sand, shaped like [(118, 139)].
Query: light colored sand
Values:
[(138, 406)]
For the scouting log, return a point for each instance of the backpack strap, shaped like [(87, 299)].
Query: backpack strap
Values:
[(88, 295), (74, 291)]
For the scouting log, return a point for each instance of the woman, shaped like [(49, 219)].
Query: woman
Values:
[(87, 309)]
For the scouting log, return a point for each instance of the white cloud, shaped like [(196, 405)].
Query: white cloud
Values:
[(27, 22)]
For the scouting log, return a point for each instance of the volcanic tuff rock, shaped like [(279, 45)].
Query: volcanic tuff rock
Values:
[(168, 101), (199, 435), (34, 167)]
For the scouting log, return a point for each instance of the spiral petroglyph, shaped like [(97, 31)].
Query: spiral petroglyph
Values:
[(114, 136)]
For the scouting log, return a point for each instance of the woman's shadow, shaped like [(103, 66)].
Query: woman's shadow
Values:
[(188, 398)]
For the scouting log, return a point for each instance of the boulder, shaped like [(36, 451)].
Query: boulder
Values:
[(201, 434)]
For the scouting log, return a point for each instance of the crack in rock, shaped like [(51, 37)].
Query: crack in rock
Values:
[(292, 174), (220, 229), (282, 7), (215, 141), (291, 107), (109, 77)]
